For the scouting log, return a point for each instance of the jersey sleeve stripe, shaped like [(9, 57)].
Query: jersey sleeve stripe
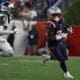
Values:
[(52, 23)]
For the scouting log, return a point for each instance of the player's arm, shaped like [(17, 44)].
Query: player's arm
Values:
[(50, 32), (67, 29), (6, 32)]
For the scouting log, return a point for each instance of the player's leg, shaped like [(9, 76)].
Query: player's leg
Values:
[(45, 53), (64, 53), (63, 50), (58, 54), (7, 49)]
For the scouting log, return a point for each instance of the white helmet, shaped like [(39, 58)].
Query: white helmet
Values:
[(55, 11), (5, 6)]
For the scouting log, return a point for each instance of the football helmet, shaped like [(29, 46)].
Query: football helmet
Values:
[(55, 11), (7, 6)]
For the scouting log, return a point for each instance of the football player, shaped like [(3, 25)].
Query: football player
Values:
[(23, 22), (6, 49), (56, 38), (7, 8)]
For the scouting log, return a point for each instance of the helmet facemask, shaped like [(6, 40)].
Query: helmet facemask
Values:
[(56, 17), (4, 9), (55, 13)]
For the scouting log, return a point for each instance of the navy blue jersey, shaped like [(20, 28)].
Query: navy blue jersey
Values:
[(56, 25), (52, 28)]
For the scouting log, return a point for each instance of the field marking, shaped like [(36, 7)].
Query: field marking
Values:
[(4, 64), (21, 61), (32, 61), (29, 61)]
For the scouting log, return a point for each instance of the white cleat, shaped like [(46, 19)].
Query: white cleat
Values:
[(68, 75), (45, 58)]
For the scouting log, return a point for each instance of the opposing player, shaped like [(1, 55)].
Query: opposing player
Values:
[(56, 37), (6, 49), (24, 20), (7, 8)]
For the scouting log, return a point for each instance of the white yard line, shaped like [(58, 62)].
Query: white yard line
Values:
[(21, 61), (32, 61), (4, 64)]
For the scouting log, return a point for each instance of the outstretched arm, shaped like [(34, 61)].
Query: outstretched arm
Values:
[(3, 32)]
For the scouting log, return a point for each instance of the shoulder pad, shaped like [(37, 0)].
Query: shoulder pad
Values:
[(51, 23)]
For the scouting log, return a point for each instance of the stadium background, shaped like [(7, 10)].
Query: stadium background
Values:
[(69, 9), (71, 12), (73, 39)]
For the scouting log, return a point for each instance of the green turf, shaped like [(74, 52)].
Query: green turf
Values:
[(31, 68)]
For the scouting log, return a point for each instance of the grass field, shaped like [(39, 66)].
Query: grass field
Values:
[(32, 68)]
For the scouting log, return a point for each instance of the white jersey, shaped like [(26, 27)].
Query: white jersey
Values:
[(4, 32), (20, 40), (21, 24)]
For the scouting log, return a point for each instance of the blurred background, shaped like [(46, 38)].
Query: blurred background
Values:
[(36, 19)]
